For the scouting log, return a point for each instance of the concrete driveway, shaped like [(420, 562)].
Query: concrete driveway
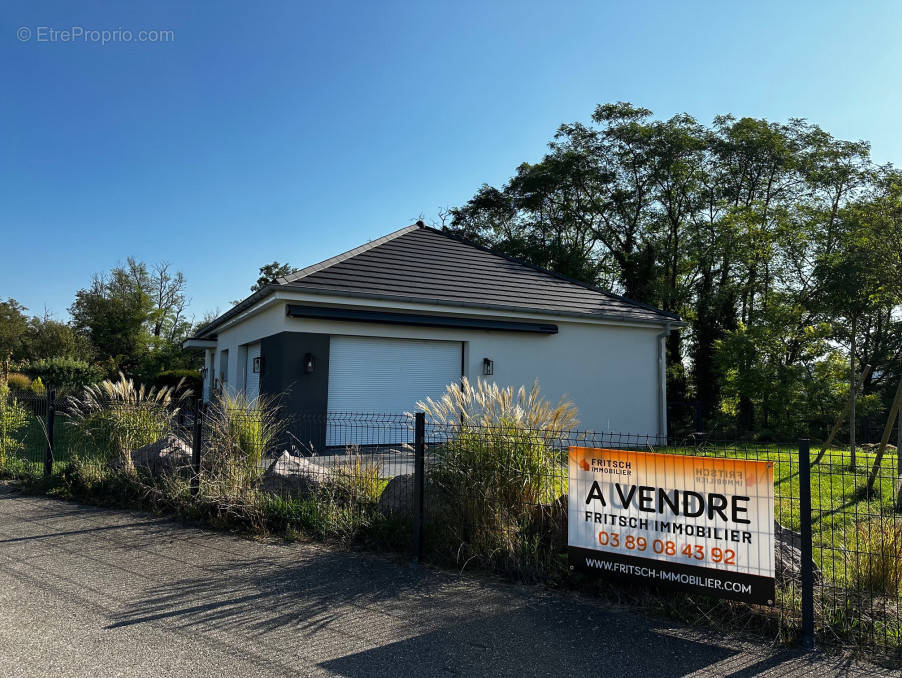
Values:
[(95, 592)]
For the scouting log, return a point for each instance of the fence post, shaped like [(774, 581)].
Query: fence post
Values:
[(806, 545), (419, 480), (196, 445), (51, 418)]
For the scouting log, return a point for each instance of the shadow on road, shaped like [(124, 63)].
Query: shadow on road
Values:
[(397, 620)]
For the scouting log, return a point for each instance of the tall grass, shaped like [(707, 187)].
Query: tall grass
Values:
[(346, 503), (111, 419), (18, 382), (487, 404), (499, 474), (874, 556), (241, 433)]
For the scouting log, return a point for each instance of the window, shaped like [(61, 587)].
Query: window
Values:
[(224, 366)]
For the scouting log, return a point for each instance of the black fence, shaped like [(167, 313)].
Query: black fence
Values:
[(476, 495)]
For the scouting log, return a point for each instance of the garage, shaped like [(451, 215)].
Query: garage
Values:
[(375, 374), (387, 375), (361, 337)]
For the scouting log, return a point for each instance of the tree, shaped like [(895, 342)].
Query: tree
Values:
[(49, 338), (168, 293), (270, 274), (13, 325), (114, 313), (741, 226), (859, 272), (135, 319)]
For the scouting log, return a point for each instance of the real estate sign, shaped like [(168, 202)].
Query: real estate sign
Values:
[(693, 523)]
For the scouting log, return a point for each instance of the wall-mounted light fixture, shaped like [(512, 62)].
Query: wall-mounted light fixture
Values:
[(258, 365), (309, 363), (488, 366), (203, 372)]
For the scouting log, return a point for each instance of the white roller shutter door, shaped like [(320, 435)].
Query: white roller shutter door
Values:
[(385, 375)]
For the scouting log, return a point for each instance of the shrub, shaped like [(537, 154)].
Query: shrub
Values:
[(874, 556), (113, 418), (13, 418), (18, 382), (188, 378), (354, 482), (37, 386), (66, 375), (499, 473), (242, 431), (345, 505)]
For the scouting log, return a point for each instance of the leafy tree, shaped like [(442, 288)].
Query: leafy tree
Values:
[(135, 319), (167, 290), (13, 325), (270, 274), (754, 231), (49, 338), (114, 313), (859, 270)]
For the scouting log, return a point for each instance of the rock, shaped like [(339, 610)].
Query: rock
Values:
[(788, 556), (163, 456), (289, 474), (398, 496)]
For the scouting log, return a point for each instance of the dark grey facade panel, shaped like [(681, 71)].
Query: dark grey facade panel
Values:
[(417, 320), (302, 395)]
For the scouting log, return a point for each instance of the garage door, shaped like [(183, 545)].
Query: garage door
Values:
[(252, 377), (374, 374)]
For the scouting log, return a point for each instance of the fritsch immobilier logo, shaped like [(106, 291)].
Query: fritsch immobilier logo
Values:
[(694, 524)]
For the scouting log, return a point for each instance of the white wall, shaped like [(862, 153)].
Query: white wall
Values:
[(210, 366), (269, 321), (609, 371)]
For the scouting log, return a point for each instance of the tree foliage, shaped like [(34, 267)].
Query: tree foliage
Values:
[(13, 325), (134, 319), (768, 237), (270, 274)]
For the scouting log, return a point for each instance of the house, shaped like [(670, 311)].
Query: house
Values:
[(395, 320)]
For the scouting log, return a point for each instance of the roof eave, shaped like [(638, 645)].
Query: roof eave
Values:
[(242, 305), (663, 320)]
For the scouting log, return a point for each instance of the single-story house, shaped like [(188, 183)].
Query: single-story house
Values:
[(395, 320)]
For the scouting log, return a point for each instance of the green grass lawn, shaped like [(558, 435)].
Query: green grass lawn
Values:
[(34, 440), (29, 458), (838, 501)]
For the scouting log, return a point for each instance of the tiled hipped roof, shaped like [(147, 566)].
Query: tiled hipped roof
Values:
[(423, 264)]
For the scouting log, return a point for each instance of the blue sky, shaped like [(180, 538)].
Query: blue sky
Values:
[(292, 131)]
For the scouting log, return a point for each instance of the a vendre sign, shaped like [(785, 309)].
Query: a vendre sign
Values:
[(693, 523)]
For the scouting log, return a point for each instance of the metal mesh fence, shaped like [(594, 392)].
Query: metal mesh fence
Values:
[(489, 496)]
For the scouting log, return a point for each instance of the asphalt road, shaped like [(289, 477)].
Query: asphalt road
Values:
[(95, 592)]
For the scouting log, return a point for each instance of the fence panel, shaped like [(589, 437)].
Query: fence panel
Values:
[(857, 544), (23, 434)]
